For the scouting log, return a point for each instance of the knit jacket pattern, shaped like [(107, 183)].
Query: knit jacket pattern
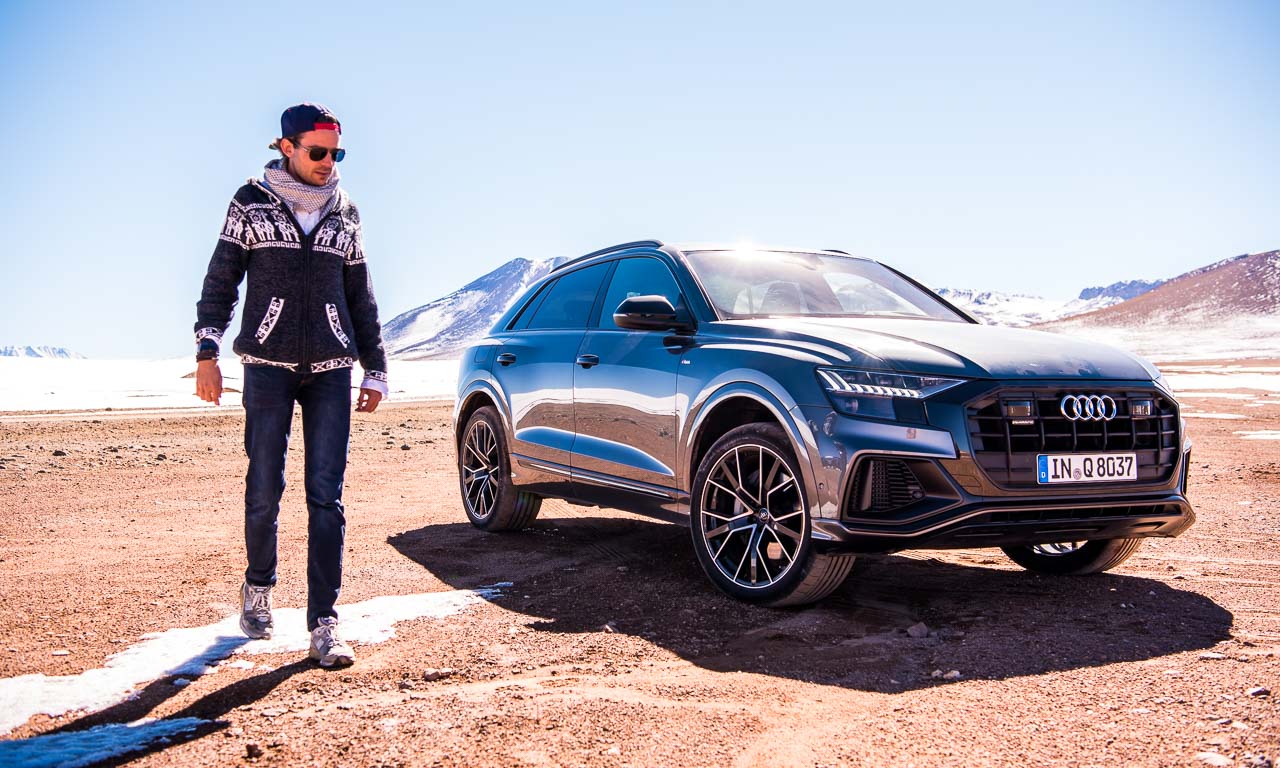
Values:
[(309, 304)]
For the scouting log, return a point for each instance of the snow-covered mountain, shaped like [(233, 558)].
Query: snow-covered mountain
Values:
[(1229, 309), (43, 351), (444, 327), (1019, 310)]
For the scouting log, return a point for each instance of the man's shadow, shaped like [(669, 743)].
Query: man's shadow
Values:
[(577, 573), (93, 734)]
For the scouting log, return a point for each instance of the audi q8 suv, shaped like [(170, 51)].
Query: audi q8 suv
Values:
[(800, 407)]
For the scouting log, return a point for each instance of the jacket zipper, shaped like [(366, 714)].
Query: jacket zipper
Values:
[(304, 364)]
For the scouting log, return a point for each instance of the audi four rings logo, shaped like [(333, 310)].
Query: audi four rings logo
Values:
[(1088, 407)]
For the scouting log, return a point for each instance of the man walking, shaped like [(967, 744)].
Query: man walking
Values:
[(309, 314)]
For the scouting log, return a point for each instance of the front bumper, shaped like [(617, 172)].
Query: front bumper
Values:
[(948, 508), (975, 522)]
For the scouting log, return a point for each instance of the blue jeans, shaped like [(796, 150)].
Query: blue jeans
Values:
[(269, 395)]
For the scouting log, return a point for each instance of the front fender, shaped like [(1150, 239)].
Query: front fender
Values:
[(481, 383), (769, 394)]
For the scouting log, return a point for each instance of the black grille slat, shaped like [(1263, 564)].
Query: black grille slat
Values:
[(1007, 452)]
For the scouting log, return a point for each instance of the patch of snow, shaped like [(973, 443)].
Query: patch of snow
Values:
[(1197, 415), (1260, 434), (1202, 382), (73, 749), (36, 384), (194, 651)]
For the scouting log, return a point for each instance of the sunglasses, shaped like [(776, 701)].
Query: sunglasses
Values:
[(317, 153)]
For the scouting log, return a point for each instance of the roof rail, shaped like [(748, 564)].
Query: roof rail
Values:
[(837, 250), (611, 249)]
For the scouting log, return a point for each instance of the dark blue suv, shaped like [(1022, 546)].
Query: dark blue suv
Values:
[(803, 406)]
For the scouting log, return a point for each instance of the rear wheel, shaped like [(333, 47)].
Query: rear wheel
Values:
[(750, 522), (1073, 558), (491, 501)]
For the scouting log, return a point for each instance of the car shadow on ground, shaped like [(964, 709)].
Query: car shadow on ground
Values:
[(577, 573)]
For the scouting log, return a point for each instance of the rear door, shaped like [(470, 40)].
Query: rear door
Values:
[(535, 366), (624, 387)]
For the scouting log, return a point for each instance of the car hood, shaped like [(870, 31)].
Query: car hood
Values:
[(960, 349)]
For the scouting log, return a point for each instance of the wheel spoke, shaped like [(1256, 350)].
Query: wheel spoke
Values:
[(754, 547), (484, 464), (780, 486), (732, 493), (726, 519), (760, 476), (743, 559), (764, 561), (725, 543), (790, 534)]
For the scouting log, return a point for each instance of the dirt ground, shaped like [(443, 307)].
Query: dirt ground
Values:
[(611, 648)]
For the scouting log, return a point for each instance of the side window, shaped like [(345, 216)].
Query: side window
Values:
[(568, 303), (638, 277)]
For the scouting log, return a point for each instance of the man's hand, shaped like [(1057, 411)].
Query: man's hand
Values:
[(209, 381), (368, 400)]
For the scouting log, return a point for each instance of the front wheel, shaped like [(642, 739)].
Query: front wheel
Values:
[(492, 502), (1073, 558), (750, 522)]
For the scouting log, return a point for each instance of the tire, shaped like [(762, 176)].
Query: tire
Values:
[(728, 523), (1073, 558), (491, 501)]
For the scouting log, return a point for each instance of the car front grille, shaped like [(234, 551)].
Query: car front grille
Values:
[(1006, 445)]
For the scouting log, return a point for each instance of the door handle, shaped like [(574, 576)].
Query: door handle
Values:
[(506, 358), (587, 361)]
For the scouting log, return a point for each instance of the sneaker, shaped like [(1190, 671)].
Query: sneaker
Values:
[(255, 611), (327, 648)]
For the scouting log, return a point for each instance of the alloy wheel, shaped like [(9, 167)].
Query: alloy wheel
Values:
[(1057, 549), (752, 516), (479, 466)]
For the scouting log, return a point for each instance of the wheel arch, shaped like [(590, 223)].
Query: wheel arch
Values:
[(481, 393), (732, 406)]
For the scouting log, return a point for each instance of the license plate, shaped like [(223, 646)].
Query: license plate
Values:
[(1085, 467)]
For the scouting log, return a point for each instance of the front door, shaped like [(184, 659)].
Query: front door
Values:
[(624, 389)]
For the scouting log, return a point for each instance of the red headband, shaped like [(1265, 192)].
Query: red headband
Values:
[(328, 127)]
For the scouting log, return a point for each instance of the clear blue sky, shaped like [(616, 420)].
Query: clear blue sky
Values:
[(1026, 147)]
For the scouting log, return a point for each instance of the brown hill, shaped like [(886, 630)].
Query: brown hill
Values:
[(1243, 286)]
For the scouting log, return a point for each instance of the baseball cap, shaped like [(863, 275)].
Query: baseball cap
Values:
[(301, 118)]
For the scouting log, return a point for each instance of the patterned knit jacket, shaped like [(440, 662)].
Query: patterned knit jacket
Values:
[(309, 304)]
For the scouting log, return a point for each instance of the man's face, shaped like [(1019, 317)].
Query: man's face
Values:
[(315, 172)]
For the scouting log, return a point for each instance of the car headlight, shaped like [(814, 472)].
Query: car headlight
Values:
[(881, 394)]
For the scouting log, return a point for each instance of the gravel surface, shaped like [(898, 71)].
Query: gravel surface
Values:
[(610, 648)]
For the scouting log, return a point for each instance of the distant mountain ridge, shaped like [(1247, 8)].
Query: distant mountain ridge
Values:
[(1246, 286), (60, 353), (1020, 310), (1125, 290)]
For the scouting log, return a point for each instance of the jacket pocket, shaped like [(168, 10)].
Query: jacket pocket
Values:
[(335, 323), (269, 320)]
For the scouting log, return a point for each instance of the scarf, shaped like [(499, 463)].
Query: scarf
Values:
[(300, 196)]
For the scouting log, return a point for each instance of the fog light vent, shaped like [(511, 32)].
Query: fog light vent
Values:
[(885, 485)]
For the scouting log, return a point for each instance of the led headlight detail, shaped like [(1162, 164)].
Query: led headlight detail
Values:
[(846, 381), (872, 393)]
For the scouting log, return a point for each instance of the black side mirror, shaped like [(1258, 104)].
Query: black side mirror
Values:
[(650, 313)]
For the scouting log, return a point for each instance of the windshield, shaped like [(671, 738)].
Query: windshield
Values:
[(743, 284)]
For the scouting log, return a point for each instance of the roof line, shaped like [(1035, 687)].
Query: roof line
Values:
[(611, 249)]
